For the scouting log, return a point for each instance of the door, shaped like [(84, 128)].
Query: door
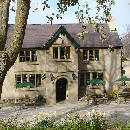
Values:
[(61, 89)]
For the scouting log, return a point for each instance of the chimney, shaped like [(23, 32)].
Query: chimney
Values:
[(112, 24)]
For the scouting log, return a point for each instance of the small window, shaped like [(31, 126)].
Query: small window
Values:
[(85, 55), (34, 56), (100, 76), (21, 56), (67, 52), (94, 75), (96, 54), (27, 56), (38, 80), (32, 79), (91, 55), (81, 79), (62, 52), (87, 77), (24, 77), (55, 52), (18, 79)]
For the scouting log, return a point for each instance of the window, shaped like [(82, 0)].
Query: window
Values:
[(27, 56), (22, 57), (96, 54), (32, 79), (35, 79), (64, 52), (34, 56), (90, 55), (38, 80), (87, 76), (85, 55), (55, 52), (24, 77)]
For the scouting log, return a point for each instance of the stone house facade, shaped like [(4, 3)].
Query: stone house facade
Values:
[(58, 64)]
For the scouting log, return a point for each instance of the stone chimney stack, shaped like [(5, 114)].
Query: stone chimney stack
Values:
[(112, 24)]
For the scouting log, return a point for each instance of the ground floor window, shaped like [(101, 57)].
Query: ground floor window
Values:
[(34, 79), (87, 76)]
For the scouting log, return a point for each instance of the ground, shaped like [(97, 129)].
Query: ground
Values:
[(113, 109)]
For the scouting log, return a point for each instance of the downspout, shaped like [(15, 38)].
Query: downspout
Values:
[(121, 62)]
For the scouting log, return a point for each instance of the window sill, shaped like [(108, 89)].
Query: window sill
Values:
[(30, 63), (28, 89), (62, 60), (88, 61)]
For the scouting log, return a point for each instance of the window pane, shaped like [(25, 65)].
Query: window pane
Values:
[(62, 52), (96, 54), (85, 55), (87, 77), (91, 55), (27, 55), (94, 75), (55, 52), (32, 79), (82, 79), (24, 77), (18, 79), (34, 56), (100, 76), (21, 56), (67, 52), (38, 80)]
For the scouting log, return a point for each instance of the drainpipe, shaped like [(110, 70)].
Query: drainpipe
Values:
[(121, 62)]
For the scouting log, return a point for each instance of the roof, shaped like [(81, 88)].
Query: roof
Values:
[(38, 35)]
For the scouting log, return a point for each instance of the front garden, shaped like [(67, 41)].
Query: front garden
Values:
[(93, 120)]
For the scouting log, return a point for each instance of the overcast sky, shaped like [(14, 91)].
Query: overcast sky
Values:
[(121, 13)]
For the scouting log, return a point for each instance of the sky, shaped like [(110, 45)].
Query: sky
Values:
[(120, 12)]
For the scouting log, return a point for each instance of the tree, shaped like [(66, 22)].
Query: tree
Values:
[(8, 55), (126, 43)]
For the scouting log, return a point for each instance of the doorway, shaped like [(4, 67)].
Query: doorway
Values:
[(61, 89)]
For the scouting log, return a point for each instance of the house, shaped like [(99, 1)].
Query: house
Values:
[(59, 64)]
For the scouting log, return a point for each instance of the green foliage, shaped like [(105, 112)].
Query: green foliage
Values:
[(123, 58), (113, 94), (40, 99)]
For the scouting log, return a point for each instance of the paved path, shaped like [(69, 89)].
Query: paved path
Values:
[(113, 109)]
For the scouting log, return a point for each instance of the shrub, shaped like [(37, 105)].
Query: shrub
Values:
[(113, 94)]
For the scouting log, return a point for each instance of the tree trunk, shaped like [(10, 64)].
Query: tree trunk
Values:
[(9, 56)]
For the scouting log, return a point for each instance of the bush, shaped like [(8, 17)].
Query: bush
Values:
[(113, 94)]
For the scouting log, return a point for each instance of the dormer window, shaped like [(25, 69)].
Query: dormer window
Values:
[(27, 56), (61, 52), (90, 55)]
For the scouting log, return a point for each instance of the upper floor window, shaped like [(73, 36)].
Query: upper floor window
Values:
[(27, 56), (61, 52), (90, 55)]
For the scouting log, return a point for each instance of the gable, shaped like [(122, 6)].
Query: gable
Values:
[(63, 31)]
